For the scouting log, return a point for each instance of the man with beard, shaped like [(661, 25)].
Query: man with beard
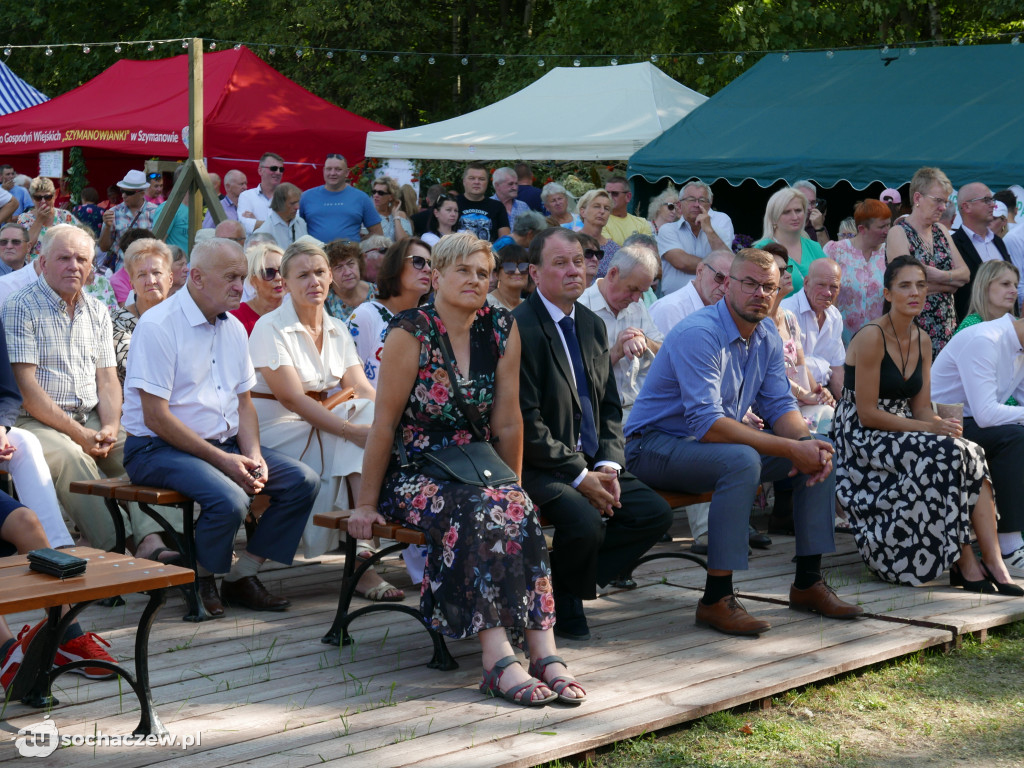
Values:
[(685, 434)]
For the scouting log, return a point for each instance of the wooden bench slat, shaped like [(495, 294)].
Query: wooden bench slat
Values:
[(337, 519), (104, 488), (679, 499), (149, 495)]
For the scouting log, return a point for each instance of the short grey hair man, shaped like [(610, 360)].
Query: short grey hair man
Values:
[(528, 224)]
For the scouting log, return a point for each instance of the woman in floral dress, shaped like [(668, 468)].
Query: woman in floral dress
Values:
[(487, 567), (862, 259), (920, 235)]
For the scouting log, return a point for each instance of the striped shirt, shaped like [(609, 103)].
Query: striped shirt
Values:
[(67, 351)]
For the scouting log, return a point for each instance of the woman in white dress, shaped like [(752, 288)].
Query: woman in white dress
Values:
[(302, 355)]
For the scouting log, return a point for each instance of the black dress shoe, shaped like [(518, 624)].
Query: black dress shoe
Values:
[(758, 540), (250, 593), (208, 594)]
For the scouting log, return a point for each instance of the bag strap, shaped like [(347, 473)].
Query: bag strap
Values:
[(472, 414)]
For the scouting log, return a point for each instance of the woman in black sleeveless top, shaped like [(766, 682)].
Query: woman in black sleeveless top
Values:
[(913, 487)]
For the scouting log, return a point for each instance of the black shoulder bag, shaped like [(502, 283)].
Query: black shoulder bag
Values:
[(476, 463)]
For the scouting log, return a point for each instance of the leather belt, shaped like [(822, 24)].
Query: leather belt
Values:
[(318, 396), (634, 436)]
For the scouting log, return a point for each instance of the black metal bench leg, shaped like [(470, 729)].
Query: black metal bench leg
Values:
[(149, 721), (185, 543), (337, 635)]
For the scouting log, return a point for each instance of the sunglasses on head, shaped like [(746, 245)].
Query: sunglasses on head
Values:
[(335, 156), (154, 176), (510, 267), (269, 273), (419, 262), (591, 253), (273, 168), (39, 198)]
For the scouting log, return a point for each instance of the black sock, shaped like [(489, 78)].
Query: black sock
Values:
[(75, 630), (716, 588), (808, 571)]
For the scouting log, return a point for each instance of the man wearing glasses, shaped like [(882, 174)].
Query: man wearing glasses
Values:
[(254, 204), (337, 210), (699, 231), (707, 287), (975, 241), (133, 212), (686, 434), (621, 224)]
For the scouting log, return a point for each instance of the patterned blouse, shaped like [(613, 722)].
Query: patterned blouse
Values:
[(860, 297)]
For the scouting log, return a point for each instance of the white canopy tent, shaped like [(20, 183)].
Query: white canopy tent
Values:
[(571, 113)]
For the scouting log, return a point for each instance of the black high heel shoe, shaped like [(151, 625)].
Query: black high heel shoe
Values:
[(982, 586), (1002, 588)]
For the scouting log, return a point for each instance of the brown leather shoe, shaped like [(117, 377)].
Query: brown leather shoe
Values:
[(250, 593), (821, 598), (208, 594), (728, 616)]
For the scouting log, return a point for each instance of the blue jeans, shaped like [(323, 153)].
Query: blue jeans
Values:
[(734, 473), (291, 485)]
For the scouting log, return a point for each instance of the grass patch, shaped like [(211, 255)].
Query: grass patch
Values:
[(925, 710)]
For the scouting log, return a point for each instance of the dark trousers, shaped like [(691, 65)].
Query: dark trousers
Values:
[(593, 550), (291, 486), (1004, 451)]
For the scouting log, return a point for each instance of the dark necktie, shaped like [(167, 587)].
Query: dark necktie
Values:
[(588, 430)]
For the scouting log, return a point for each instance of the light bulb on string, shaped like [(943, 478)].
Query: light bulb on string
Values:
[(213, 46), (298, 53), (49, 51), (150, 47), (654, 58), (700, 60), (615, 62), (912, 51), (117, 48), (362, 57), (7, 51), (739, 58), (830, 54), (785, 57), (540, 62), (330, 54), (575, 62), (501, 62), (272, 51), (184, 43), (431, 60), (1015, 40), (238, 46), (464, 61), (396, 58), (86, 49)]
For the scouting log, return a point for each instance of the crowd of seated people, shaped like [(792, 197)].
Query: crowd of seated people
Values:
[(601, 354)]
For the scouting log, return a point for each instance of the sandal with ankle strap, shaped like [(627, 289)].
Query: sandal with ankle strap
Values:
[(489, 686), (559, 683)]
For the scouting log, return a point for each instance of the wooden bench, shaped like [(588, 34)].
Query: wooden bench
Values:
[(114, 490), (355, 567), (108, 574)]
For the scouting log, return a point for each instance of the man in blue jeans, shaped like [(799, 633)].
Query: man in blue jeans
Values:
[(192, 427), (685, 434)]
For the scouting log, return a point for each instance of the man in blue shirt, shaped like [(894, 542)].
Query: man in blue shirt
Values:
[(336, 211), (21, 194), (685, 434)]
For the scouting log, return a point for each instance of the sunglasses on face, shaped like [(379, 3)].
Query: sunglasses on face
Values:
[(511, 267), (419, 262), (591, 253), (130, 192), (788, 268), (671, 206), (4, 242), (40, 198), (269, 274), (380, 192), (273, 168)]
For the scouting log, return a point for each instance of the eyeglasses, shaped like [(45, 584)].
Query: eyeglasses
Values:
[(938, 200), (788, 269), (270, 274), (40, 198), (690, 200), (154, 176), (986, 200), (419, 262), (749, 285), (4, 242), (615, 194), (380, 192), (273, 168), (511, 267), (591, 253), (719, 276)]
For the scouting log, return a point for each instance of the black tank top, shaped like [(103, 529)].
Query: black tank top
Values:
[(891, 384)]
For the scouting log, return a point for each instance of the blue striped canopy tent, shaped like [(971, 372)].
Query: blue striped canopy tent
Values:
[(15, 93)]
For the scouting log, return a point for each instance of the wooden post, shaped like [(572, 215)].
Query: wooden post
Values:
[(193, 185)]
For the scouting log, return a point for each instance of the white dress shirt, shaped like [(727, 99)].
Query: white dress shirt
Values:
[(199, 367), (630, 372), (255, 202), (284, 232), (669, 310), (981, 366), (823, 347), (985, 244), (680, 235)]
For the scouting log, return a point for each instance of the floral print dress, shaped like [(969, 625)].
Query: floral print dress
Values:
[(938, 317), (860, 297), (487, 563)]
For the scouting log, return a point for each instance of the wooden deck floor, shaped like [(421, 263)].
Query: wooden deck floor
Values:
[(262, 691)]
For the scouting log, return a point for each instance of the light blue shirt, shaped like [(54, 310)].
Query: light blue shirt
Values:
[(705, 371), (337, 215)]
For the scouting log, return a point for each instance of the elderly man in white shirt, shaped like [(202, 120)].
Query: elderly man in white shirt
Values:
[(699, 232), (192, 427), (283, 221), (633, 337), (707, 288), (982, 366), (821, 324)]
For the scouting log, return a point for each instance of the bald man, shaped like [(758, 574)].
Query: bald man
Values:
[(234, 185), (975, 241), (821, 324), (231, 230), (192, 427)]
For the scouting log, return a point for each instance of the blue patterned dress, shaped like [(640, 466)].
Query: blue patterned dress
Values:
[(487, 563)]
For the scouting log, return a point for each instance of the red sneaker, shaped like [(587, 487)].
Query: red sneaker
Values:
[(16, 654), (85, 647)]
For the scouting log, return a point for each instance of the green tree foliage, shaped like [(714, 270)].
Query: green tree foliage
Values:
[(412, 91)]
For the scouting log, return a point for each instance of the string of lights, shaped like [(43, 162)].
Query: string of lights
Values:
[(576, 59)]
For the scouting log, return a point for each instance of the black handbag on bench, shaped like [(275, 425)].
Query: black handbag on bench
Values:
[(476, 463)]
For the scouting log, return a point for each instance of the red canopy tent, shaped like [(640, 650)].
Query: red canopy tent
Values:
[(137, 110)]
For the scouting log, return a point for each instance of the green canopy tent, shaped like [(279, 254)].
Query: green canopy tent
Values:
[(855, 116)]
